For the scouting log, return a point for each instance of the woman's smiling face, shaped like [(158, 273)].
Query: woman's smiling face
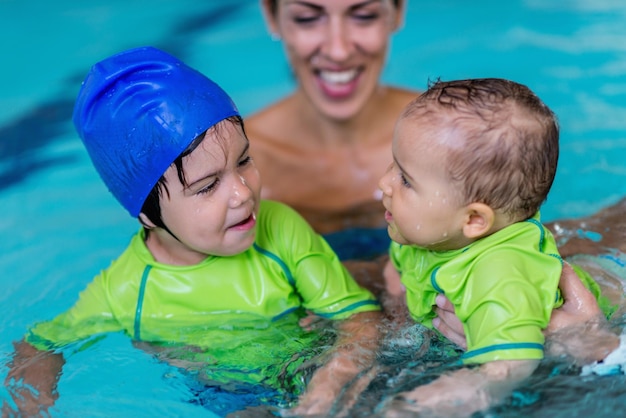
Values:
[(337, 48)]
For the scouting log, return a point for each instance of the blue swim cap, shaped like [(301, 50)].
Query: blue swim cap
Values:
[(137, 111)]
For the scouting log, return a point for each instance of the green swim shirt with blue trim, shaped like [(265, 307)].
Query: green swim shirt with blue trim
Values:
[(503, 288), (288, 267)]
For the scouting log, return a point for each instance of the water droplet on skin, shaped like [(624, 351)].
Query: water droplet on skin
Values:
[(445, 234), (418, 227)]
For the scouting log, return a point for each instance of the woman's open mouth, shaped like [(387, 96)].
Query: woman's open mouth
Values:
[(338, 84)]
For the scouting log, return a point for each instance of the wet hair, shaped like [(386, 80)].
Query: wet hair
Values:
[(509, 158), (152, 205), (273, 4)]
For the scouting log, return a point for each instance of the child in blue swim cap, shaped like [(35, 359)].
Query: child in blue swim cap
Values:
[(170, 145)]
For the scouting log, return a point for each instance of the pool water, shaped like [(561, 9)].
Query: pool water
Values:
[(60, 226)]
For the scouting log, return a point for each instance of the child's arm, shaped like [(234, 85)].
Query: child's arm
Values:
[(32, 380), (464, 391), (353, 354)]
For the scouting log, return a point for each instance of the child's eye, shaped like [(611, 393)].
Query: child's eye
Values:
[(209, 187), (247, 160), (404, 181)]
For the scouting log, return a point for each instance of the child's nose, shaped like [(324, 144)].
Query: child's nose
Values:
[(240, 192), (384, 184)]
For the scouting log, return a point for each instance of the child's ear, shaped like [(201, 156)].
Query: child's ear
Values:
[(145, 221), (479, 220)]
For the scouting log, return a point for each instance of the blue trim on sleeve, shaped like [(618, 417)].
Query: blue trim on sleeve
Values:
[(542, 233), (349, 308), (433, 281), (558, 257), (496, 347), (280, 262), (142, 292)]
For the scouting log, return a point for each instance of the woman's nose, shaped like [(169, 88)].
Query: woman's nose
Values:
[(337, 43)]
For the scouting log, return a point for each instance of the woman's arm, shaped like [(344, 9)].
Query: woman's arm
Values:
[(608, 224), (347, 365)]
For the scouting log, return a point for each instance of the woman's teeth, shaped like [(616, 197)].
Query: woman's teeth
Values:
[(338, 77)]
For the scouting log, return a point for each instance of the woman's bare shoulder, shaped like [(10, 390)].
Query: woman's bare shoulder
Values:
[(402, 96), (263, 125)]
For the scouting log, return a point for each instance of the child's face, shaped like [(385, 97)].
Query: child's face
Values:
[(420, 201), (216, 213)]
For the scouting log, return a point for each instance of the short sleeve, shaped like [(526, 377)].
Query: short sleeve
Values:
[(321, 280), (504, 313)]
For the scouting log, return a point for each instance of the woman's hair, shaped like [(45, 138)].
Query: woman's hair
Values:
[(509, 156), (152, 205), (273, 4)]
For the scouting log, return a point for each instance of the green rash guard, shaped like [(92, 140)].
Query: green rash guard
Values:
[(503, 288), (289, 267)]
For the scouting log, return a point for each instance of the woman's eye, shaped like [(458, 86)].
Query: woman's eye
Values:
[(365, 17), (305, 19)]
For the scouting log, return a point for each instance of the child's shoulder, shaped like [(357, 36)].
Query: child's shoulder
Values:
[(279, 224), (278, 212), (274, 205)]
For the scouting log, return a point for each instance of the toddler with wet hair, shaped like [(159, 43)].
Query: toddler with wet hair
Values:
[(473, 162)]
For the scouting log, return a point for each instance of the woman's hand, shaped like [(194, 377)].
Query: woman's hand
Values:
[(578, 328), (448, 323), (579, 304)]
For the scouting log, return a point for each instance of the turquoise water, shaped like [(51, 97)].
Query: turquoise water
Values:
[(60, 226)]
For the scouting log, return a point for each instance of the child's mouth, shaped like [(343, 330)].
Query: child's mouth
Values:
[(247, 223)]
